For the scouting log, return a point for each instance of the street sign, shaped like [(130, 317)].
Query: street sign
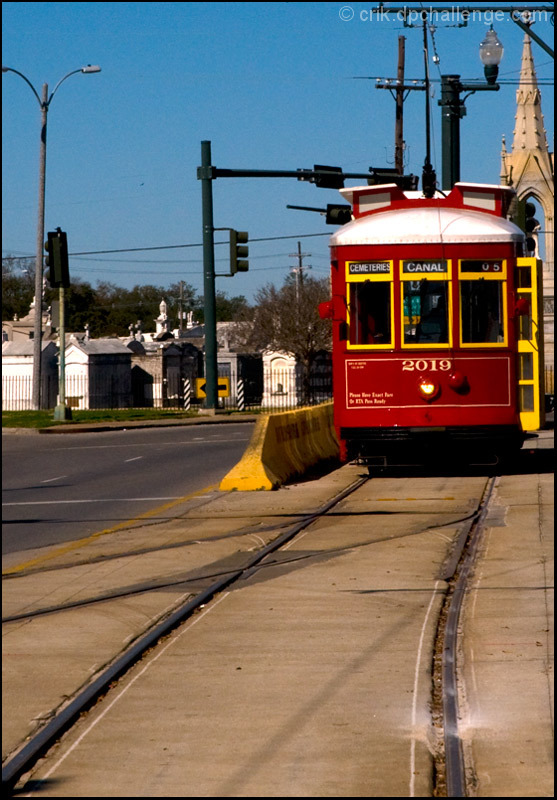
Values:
[(223, 387)]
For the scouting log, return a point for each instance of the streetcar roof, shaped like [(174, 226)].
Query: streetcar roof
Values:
[(425, 225)]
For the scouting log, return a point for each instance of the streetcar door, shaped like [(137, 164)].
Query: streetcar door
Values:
[(530, 343)]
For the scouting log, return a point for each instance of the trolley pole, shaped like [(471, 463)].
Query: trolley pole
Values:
[(211, 369)]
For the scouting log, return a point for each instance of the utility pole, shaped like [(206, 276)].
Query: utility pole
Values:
[(399, 136), (299, 269), (400, 94), (38, 324), (180, 324)]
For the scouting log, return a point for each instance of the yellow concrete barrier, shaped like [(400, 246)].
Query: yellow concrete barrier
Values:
[(282, 446)]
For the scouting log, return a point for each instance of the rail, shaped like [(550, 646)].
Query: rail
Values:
[(22, 761), (450, 767)]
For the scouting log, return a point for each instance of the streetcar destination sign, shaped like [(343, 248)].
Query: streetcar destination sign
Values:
[(424, 266), (471, 265), (369, 268)]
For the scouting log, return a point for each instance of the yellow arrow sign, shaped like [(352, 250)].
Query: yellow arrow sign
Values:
[(223, 387)]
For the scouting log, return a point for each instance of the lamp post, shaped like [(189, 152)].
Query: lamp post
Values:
[(44, 103), (453, 108), (491, 53)]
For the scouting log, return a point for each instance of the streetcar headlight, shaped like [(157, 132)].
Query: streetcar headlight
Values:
[(428, 388)]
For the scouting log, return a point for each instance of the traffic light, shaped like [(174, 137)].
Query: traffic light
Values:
[(382, 175), (525, 219), (56, 261), (238, 251), (331, 177), (338, 215)]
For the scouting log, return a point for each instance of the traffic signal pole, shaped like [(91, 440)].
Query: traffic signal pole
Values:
[(211, 369), (58, 275), (62, 412), (322, 176)]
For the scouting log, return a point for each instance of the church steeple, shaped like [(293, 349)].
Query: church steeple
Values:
[(529, 133), (504, 175)]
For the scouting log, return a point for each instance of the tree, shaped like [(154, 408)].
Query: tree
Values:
[(228, 309), (80, 307), (109, 310), (287, 320), (18, 286)]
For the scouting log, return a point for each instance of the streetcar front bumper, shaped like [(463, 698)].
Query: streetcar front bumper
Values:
[(426, 445)]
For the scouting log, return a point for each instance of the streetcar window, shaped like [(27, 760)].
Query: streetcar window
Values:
[(527, 398), (425, 312), (370, 312), (524, 277), (481, 304), (526, 367), (525, 321)]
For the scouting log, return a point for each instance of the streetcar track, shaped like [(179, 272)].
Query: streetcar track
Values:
[(450, 769), (447, 772), (238, 532), (38, 744), (200, 578)]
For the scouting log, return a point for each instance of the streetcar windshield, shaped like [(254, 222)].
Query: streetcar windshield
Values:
[(482, 311), (425, 312), (370, 312)]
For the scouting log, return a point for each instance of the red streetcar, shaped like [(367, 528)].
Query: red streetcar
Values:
[(435, 310)]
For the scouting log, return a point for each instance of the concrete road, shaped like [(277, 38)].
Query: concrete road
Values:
[(58, 488), (313, 676)]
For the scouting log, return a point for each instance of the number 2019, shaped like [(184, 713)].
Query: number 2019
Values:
[(432, 364)]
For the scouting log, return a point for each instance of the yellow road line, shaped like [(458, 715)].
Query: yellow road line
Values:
[(34, 562)]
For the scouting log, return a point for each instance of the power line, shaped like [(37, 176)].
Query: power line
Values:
[(174, 246), (199, 244), (178, 272)]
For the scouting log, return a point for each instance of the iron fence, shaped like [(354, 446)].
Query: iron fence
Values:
[(277, 390)]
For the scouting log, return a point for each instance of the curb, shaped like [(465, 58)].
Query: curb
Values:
[(99, 427)]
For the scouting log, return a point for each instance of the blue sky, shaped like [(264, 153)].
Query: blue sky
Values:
[(271, 85)]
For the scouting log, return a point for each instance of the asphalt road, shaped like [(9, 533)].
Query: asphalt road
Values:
[(59, 488)]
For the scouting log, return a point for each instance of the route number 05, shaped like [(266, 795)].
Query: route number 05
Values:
[(421, 364)]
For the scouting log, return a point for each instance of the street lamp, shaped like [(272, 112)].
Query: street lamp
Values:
[(453, 108), (44, 103), (491, 53)]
